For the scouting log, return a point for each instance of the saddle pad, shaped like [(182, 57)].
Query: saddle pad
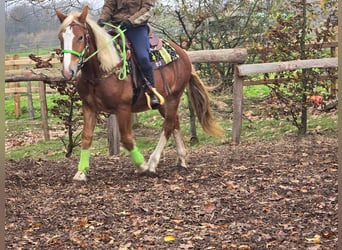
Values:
[(163, 56)]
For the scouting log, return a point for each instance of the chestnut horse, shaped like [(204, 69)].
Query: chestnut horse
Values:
[(101, 90)]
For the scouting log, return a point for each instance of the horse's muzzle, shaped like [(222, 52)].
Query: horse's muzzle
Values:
[(68, 74)]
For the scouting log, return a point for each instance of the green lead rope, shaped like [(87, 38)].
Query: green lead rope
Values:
[(123, 71)]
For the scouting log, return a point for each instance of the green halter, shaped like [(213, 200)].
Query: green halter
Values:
[(73, 52)]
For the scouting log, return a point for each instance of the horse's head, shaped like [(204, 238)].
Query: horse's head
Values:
[(73, 36)]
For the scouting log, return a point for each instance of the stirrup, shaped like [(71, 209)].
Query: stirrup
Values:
[(156, 93)]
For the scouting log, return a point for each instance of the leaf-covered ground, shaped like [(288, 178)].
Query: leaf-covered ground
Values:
[(270, 195)]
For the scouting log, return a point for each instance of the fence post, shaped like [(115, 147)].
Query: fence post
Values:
[(43, 108), (30, 108), (237, 106), (334, 87), (113, 135), (16, 96)]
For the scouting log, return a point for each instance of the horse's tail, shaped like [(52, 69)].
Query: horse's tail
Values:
[(199, 98)]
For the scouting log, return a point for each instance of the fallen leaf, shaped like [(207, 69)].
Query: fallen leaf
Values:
[(208, 225), (244, 247), (101, 237), (125, 246), (231, 185), (29, 230), (177, 221), (209, 207), (83, 222), (174, 187), (315, 239), (124, 213), (169, 238), (137, 233), (275, 197)]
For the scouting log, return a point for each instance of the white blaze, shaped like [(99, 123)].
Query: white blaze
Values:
[(68, 37)]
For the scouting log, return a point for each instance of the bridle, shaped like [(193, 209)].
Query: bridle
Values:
[(80, 55)]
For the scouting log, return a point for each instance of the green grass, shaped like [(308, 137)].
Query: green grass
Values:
[(256, 91), (37, 52), (51, 150), (9, 105), (148, 128)]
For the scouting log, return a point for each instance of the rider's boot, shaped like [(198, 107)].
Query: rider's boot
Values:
[(153, 97)]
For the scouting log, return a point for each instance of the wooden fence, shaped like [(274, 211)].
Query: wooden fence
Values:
[(14, 65), (241, 71), (236, 56)]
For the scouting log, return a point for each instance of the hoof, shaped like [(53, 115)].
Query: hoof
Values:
[(152, 165), (142, 168), (181, 163), (152, 170), (80, 176)]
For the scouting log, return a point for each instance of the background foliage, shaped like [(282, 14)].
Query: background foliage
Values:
[(271, 30)]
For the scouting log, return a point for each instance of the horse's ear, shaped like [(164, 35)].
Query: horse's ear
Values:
[(84, 14), (60, 15)]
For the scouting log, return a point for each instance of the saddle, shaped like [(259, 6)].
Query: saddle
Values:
[(161, 54)]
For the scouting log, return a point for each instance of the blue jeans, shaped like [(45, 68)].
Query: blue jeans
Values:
[(138, 36)]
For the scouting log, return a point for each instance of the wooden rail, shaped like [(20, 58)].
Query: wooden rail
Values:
[(240, 71), (22, 73), (26, 62), (236, 56), (24, 90), (262, 68)]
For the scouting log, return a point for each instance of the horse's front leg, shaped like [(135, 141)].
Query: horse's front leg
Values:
[(127, 139), (89, 121)]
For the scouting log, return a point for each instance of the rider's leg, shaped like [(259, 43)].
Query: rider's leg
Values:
[(138, 37)]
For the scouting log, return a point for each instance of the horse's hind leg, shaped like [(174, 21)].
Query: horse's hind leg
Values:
[(155, 156), (180, 147), (171, 125)]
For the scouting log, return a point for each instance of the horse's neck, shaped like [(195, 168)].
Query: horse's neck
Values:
[(91, 68)]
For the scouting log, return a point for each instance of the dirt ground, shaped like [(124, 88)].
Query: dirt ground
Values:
[(269, 195)]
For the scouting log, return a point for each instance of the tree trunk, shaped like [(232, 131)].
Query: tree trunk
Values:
[(305, 81)]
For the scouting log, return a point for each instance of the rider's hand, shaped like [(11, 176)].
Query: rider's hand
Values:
[(101, 22), (126, 24)]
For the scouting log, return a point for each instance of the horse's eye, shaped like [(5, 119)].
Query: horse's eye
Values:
[(80, 39)]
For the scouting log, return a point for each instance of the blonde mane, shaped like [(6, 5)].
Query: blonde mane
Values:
[(107, 55)]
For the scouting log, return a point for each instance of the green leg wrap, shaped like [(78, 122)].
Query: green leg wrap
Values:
[(137, 157), (83, 165)]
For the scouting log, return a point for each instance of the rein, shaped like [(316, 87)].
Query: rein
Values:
[(123, 72)]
